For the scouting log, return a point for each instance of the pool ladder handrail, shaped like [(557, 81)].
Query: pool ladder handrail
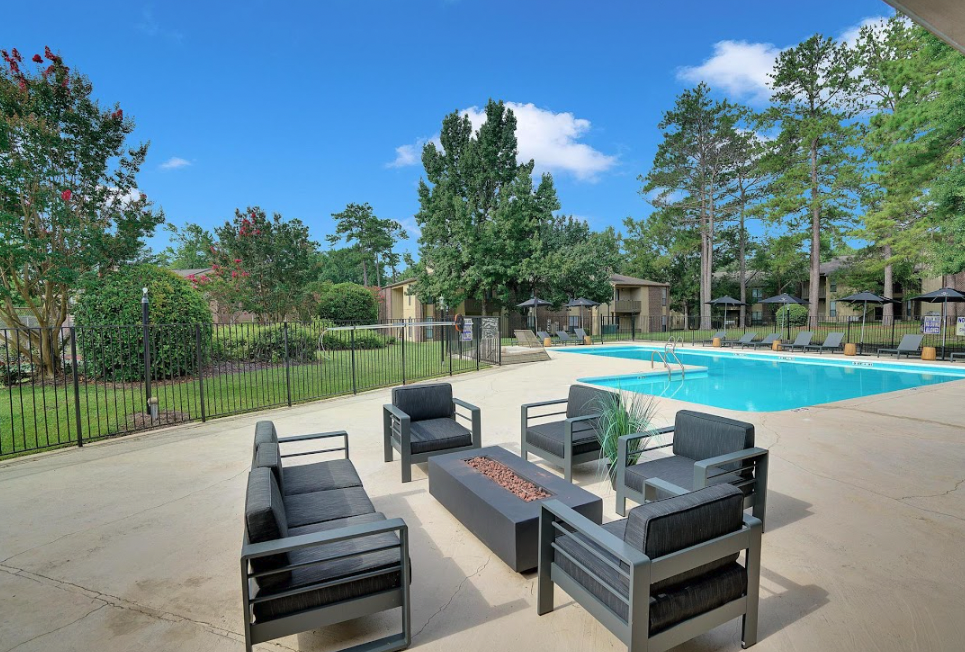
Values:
[(669, 352)]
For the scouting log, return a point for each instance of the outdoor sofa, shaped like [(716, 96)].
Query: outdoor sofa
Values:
[(802, 340), (832, 343), (706, 450), (721, 335), (908, 346), (663, 575), (315, 551), (568, 441), (421, 421)]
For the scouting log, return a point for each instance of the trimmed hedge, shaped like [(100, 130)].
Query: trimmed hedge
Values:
[(347, 302), (796, 314), (110, 336)]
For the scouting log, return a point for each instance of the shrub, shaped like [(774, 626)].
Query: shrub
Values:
[(795, 314), (347, 302), (111, 337), (364, 339), (268, 345)]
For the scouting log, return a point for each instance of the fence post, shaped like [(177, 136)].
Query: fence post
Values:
[(197, 343), (288, 377), (848, 337), (146, 337), (354, 386), (450, 330), (633, 327), (73, 373), (892, 332), (403, 353), (477, 334)]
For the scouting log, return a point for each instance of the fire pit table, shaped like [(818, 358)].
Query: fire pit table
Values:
[(497, 496)]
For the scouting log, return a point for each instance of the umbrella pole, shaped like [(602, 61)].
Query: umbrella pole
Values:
[(944, 312), (864, 317)]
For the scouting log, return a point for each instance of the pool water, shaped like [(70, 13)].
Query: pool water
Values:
[(766, 383)]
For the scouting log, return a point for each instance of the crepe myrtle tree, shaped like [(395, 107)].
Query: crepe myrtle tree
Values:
[(69, 204)]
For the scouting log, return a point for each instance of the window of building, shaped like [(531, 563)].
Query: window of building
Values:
[(574, 321), (834, 284), (663, 296), (756, 295), (833, 307), (757, 317)]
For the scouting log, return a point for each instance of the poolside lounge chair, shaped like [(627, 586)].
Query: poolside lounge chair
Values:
[(767, 341), (707, 450), (572, 440), (721, 335), (525, 337), (831, 343), (909, 344), (746, 338), (667, 573), (543, 336), (421, 421), (802, 340), (581, 334), (956, 355), (565, 338)]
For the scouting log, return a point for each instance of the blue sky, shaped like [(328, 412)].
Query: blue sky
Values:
[(303, 110)]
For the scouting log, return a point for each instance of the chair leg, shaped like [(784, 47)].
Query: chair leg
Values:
[(621, 506), (406, 467), (544, 584), (387, 435)]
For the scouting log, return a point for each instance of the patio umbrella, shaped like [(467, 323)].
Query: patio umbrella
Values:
[(533, 303), (866, 298), (944, 296), (785, 300), (582, 303), (727, 302)]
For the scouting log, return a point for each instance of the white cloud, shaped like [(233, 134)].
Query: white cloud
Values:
[(549, 138), (850, 35), (174, 163), (738, 68), (411, 227)]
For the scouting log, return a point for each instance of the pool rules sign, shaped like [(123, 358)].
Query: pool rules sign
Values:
[(466, 333), (960, 326)]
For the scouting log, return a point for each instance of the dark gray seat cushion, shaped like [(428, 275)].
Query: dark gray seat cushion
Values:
[(584, 401), (264, 433), (549, 437), (321, 506), (700, 436), (423, 402), (266, 520), (667, 607), (438, 434), (305, 478), (666, 526), (327, 571), (676, 470)]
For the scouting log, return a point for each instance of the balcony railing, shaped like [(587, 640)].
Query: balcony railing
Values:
[(627, 306)]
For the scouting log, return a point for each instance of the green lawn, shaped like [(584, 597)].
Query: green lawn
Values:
[(34, 417)]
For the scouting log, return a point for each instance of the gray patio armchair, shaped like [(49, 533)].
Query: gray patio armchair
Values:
[(832, 342), (569, 441), (719, 335), (663, 575), (422, 421), (706, 450), (743, 340), (304, 478), (565, 338), (908, 346), (802, 340), (299, 573), (767, 341)]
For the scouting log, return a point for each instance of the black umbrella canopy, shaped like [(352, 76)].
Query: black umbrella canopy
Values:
[(784, 299), (950, 295), (870, 297), (533, 303), (726, 301), (582, 303)]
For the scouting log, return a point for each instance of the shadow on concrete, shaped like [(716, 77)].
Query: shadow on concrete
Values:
[(784, 602), (783, 510)]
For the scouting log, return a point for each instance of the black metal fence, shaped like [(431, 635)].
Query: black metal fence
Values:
[(74, 385)]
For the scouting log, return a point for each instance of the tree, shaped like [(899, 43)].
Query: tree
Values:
[(815, 175), (273, 258), (657, 248), (347, 302), (69, 203), (373, 236), (692, 172), (190, 247), (343, 265)]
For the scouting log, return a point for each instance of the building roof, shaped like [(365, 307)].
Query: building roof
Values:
[(836, 264), (185, 273), (620, 279), (405, 281)]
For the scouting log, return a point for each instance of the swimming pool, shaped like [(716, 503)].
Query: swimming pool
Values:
[(766, 383)]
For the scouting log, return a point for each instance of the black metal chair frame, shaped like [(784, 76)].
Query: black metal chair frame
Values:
[(396, 435)]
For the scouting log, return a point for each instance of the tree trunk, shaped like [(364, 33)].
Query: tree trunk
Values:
[(743, 268), (888, 309), (706, 252), (814, 299), (365, 273)]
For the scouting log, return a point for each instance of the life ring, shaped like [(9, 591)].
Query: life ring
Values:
[(458, 322)]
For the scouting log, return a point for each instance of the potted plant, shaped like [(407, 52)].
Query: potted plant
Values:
[(619, 417)]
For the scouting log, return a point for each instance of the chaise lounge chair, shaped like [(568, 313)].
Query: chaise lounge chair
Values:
[(543, 336), (721, 335), (767, 341), (565, 338), (663, 575), (581, 334), (745, 339), (909, 345), (956, 355), (526, 338), (831, 343), (802, 340)]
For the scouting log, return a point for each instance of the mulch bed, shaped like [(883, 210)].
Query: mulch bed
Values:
[(506, 478)]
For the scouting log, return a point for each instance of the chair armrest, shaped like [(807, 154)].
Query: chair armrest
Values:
[(584, 526), (663, 485), (623, 443), (556, 401), (396, 412), (289, 544), (525, 408), (321, 435), (475, 417), (701, 467), (462, 403)]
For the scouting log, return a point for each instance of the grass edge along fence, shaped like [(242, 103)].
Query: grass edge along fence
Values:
[(197, 372)]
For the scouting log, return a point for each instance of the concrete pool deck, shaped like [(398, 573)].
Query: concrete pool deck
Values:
[(133, 543)]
